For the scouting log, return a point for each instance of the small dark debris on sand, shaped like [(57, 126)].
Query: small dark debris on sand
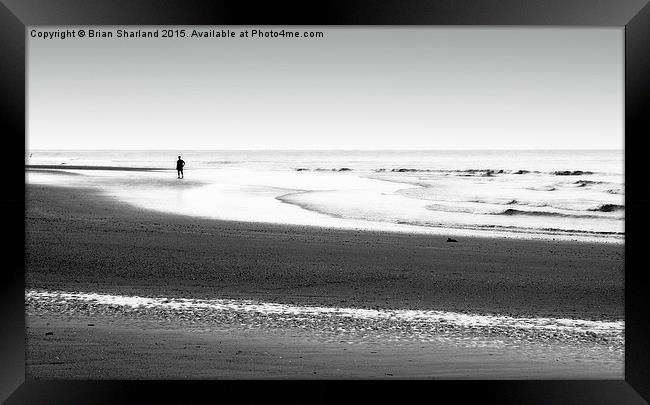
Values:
[(451, 240), (49, 333)]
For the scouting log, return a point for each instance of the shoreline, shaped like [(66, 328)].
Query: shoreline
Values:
[(331, 323), (347, 224)]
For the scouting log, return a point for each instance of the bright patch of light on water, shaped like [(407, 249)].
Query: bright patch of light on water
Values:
[(565, 195)]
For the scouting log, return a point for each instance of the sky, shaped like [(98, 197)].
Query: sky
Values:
[(355, 88)]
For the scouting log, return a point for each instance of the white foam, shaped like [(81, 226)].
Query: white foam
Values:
[(322, 199), (611, 329)]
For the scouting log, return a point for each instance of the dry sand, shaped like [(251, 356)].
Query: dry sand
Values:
[(77, 240)]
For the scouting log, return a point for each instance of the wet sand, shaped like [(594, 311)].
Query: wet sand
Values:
[(54, 168), (77, 240), (118, 348)]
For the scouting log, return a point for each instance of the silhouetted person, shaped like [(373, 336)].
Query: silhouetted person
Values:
[(179, 167)]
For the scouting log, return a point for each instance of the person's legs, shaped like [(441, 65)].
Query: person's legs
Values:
[(182, 173), (179, 173)]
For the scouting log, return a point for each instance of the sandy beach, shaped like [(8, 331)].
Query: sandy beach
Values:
[(332, 203), (80, 241)]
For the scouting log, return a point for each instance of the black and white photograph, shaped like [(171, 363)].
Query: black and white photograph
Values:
[(324, 202)]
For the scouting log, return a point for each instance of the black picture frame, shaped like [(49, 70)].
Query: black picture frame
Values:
[(633, 15)]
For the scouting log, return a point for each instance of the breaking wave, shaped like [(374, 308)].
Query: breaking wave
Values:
[(341, 169), (571, 173), (608, 208), (420, 324), (585, 183), (459, 172), (511, 211)]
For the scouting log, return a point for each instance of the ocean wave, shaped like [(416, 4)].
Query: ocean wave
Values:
[(506, 201), (487, 172), (536, 204), (465, 172), (512, 211), (546, 230), (585, 183), (287, 199), (608, 208), (447, 208), (571, 173), (552, 231), (341, 169), (513, 229), (459, 172), (600, 208), (542, 188), (419, 324)]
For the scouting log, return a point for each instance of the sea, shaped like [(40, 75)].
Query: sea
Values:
[(539, 194)]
